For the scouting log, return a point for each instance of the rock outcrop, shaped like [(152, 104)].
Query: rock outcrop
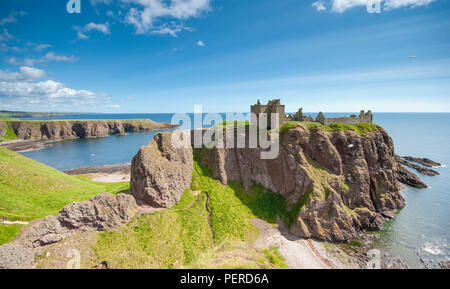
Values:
[(69, 129), (423, 161), (408, 178), (420, 169), (160, 173), (3, 129), (14, 256), (343, 182), (102, 212)]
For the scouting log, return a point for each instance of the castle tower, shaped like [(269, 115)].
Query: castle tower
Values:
[(273, 106)]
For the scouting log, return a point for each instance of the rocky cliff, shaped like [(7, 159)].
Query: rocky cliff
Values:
[(337, 182), (160, 172), (102, 212), (66, 129), (3, 129)]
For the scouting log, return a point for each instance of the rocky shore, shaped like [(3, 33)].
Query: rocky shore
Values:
[(34, 135)]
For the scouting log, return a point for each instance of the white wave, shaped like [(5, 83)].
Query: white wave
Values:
[(434, 249)]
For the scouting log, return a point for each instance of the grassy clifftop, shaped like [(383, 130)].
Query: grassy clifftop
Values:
[(30, 190)]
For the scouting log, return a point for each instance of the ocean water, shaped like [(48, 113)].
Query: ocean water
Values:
[(420, 230)]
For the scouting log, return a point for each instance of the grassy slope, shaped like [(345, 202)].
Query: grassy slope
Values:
[(30, 190), (181, 236), (8, 233), (360, 128), (10, 134)]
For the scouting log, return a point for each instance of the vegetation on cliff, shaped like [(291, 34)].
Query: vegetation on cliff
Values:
[(31, 190), (208, 228), (360, 128), (8, 133), (8, 232)]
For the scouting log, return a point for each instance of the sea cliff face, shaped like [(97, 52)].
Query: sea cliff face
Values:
[(47, 130), (337, 182)]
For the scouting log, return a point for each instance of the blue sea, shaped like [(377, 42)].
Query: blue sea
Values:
[(421, 229)]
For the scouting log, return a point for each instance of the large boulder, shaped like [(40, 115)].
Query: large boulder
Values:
[(102, 212), (161, 172)]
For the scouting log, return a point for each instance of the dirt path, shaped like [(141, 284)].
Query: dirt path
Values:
[(209, 218), (299, 253), (13, 223), (110, 178)]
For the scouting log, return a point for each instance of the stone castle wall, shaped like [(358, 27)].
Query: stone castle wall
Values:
[(362, 118), (273, 106)]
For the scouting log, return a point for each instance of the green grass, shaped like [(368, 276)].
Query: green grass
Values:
[(31, 190), (274, 257), (229, 216), (165, 239), (360, 128), (181, 237), (10, 134), (8, 233)]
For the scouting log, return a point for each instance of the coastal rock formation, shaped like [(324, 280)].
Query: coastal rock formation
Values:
[(408, 178), (420, 169), (160, 172), (45, 130), (3, 129), (102, 212), (423, 161), (344, 182)]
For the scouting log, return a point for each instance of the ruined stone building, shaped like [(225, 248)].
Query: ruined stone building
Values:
[(273, 106), (353, 119)]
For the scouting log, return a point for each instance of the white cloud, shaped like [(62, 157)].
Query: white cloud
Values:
[(343, 5), (319, 5), (25, 73), (82, 31), (5, 36), (169, 28), (12, 17), (95, 2), (45, 94), (41, 47), (49, 57), (156, 16), (392, 4), (200, 43)]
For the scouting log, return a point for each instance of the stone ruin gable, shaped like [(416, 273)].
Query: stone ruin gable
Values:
[(362, 118), (298, 116), (273, 106)]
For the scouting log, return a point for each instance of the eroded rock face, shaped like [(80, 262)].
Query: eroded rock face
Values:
[(69, 129), (102, 212), (160, 173), (345, 181), (3, 129), (13, 256)]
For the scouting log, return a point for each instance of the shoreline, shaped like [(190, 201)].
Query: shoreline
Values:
[(23, 145)]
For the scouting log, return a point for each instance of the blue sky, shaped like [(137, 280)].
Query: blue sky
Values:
[(140, 56)]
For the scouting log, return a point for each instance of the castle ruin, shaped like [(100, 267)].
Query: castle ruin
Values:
[(275, 106), (353, 119)]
